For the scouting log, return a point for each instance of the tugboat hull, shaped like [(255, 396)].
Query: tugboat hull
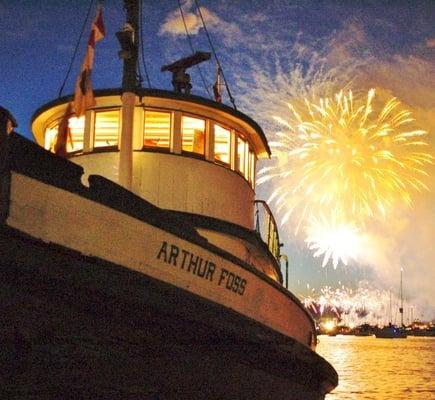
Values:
[(108, 296), (76, 326)]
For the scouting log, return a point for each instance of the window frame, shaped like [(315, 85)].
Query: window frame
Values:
[(171, 130), (55, 125), (192, 153), (93, 128), (230, 152)]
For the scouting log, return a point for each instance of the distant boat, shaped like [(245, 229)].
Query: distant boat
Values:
[(392, 331), (363, 330), (426, 331)]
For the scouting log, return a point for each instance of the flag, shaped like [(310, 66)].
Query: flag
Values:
[(63, 133), (217, 86), (84, 95)]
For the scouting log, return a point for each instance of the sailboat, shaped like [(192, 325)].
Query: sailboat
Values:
[(392, 331), (132, 262)]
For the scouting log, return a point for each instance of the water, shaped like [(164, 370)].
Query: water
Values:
[(381, 369)]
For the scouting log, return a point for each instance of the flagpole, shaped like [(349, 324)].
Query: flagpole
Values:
[(128, 39)]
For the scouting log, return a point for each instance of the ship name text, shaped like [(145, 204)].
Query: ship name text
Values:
[(202, 268)]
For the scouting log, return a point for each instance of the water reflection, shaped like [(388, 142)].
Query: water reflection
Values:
[(381, 369)]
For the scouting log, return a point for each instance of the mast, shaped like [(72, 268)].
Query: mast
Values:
[(391, 312), (128, 39), (401, 298)]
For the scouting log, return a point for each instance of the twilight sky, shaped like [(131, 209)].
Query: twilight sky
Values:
[(273, 52)]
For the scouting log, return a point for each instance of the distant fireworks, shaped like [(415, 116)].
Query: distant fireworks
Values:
[(340, 164), (353, 307)]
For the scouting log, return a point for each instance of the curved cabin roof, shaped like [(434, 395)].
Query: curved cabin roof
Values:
[(160, 99)]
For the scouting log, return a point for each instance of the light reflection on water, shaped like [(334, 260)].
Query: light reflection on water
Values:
[(381, 369)]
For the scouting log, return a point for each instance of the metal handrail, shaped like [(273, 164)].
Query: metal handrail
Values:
[(267, 228)]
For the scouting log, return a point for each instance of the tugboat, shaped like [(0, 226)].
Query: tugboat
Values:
[(140, 265)]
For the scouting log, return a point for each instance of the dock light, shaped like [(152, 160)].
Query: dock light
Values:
[(329, 325)]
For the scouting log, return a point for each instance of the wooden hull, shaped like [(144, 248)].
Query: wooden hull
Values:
[(118, 297)]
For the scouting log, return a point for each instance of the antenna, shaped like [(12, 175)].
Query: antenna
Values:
[(181, 80)]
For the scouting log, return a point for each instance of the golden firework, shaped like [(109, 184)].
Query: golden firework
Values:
[(342, 160)]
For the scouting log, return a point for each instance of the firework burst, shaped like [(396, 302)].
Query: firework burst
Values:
[(343, 163), (335, 241), (354, 307)]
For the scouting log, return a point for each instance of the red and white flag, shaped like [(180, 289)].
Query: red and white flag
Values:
[(84, 94), (64, 133)]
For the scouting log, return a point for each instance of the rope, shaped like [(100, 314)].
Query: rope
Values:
[(193, 49), (215, 56), (76, 48), (141, 44)]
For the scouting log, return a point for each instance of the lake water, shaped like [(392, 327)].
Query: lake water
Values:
[(381, 369)]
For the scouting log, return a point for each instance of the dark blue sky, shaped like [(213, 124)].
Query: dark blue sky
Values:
[(38, 37), (272, 52)]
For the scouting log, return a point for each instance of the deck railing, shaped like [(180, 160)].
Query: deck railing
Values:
[(266, 227)]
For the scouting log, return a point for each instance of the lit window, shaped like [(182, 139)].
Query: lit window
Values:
[(50, 137), (157, 130), (106, 128), (242, 151), (193, 134), (222, 144), (75, 138)]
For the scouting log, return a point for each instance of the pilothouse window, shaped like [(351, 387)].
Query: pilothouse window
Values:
[(222, 144), (193, 134), (106, 131), (242, 153), (157, 129), (76, 128)]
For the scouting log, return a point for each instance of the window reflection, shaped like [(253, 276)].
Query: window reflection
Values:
[(222, 144), (106, 128), (157, 129), (193, 134)]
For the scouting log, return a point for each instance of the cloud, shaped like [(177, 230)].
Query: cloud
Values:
[(430, 43), (351, 41), (174, 26)]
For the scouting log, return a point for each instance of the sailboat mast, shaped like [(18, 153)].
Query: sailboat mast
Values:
[(128, 39), (401, 298)]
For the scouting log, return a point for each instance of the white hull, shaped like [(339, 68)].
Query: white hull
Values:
[(57, 216)]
